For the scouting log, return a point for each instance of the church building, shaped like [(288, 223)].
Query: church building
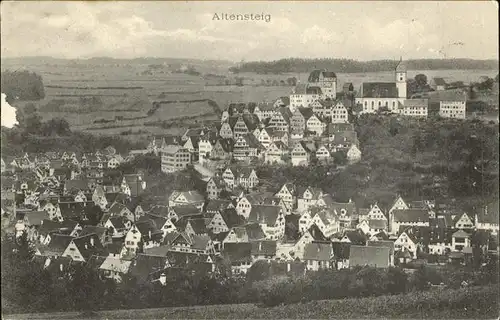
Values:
[(375, 95)]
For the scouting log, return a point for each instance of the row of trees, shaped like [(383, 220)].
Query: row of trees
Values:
[(27, 287), (350, 65)]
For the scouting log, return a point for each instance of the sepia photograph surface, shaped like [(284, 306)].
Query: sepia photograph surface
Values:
[(249, 160)]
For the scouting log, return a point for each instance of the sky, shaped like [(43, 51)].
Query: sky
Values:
[(355, 30)]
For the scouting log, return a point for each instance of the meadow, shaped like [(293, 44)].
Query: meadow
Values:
[(124, 93), (465, 303)]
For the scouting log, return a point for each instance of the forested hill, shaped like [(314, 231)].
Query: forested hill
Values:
[(351, 66)]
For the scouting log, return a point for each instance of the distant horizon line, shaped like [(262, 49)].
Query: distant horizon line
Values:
[(235, 62)]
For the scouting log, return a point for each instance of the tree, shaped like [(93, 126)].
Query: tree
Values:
[(22, 85), (292, 82), (421, 80), (340, 158), (260, 270), (85, 288), (33, 124), (56, 126), (30, 108), (411, 87)]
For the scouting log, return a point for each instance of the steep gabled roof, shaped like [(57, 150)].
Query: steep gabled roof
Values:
[(89, 247), (286, 113), (306, 112), (356, 237), (186, 210), (251, 121), (379, 90), (377, 223), (35, 218), (316, 233), (192, 196), (264, 214), (58, 244), (315, 74), (99, 231), (254, 231), (411, 215), (231, 218), (198, 225), (401, 66), (217, 205)]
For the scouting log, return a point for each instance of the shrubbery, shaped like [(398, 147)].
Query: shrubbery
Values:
[(27, 287)]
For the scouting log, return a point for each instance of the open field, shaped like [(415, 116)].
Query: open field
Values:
[(119, 96), (472, 303)]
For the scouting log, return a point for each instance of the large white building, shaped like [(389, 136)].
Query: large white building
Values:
[(321, 85), (326, 81), (303, 97), (452, 104), (375, 95)]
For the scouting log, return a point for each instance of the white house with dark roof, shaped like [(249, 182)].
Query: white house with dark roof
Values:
[(307, 198), (452, 104), (318, 256), (300, 154), (276, 153), (414, 108), (301, 96), (339, 113), (288, 193), (326, 81), (174, 158)]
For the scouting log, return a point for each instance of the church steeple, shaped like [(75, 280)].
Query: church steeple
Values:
[(401, 78)]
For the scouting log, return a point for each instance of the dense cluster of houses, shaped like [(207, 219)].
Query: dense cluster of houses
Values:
[(291, 130), (309, 125), (79, 209), (71, 218)]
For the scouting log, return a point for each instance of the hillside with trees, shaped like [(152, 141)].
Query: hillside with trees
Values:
[(351, 66), (433, 158)]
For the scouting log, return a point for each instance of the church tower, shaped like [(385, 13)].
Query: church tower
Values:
[(401, 78)]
